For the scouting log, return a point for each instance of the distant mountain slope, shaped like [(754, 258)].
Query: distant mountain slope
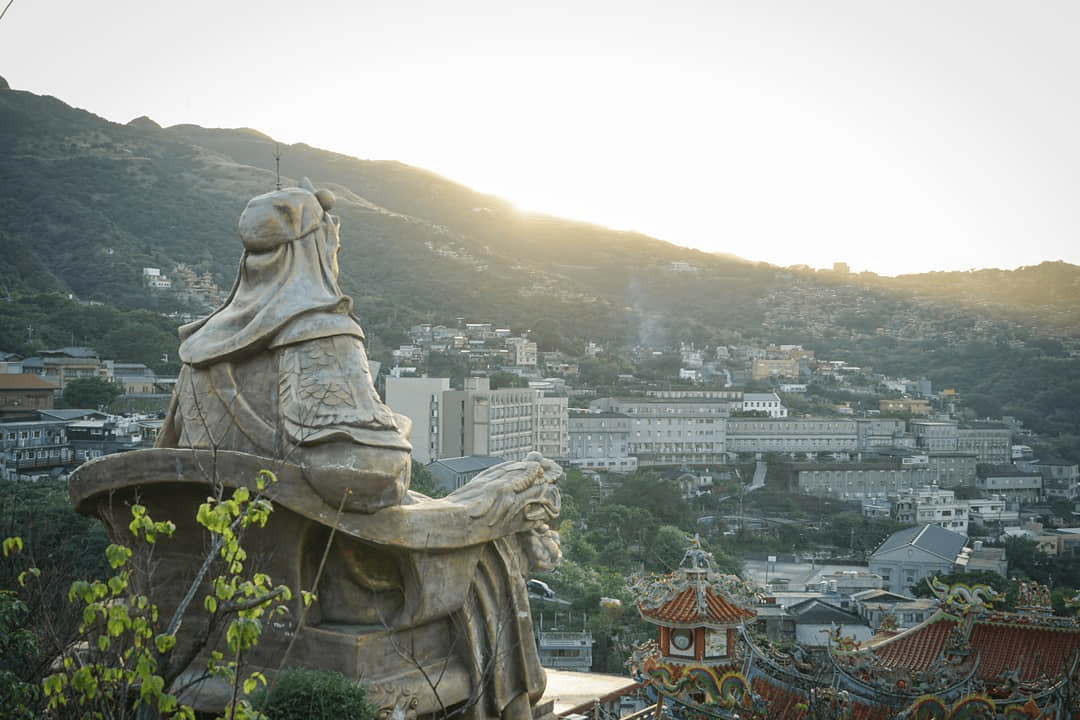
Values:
[(85, 204)]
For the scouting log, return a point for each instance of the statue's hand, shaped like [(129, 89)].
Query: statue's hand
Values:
[(517, 496)]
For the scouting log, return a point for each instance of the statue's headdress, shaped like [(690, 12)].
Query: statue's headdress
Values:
[(282, 216)]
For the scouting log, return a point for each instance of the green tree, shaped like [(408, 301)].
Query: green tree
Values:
[(18, 651), (90, 393), (422, 482), (301, 694), (128, 665), (662, 499), (503, 379)]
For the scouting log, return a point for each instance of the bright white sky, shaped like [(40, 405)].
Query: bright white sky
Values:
[(894, 136)]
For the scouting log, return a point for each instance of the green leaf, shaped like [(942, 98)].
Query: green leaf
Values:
[(165, 643), (12, 545), (117, 584), (32, 572), (117, 555)]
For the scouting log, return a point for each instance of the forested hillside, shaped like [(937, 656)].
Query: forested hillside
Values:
[(86, 204)]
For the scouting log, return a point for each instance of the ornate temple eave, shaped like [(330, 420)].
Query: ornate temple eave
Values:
[(901, 697), (690, 624)]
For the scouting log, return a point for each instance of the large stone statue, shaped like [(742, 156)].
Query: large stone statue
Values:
[(417, 598)]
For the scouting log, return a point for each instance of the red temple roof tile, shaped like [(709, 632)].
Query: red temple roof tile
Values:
[(918, 648), (1036, 650), (683, 609)]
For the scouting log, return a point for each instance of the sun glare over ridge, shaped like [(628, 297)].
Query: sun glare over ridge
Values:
[(894, 139)]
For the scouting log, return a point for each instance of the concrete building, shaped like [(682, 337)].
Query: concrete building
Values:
[(991, 443), (552, 426), (565, 650), (522, 352), (907, 556), (874, 606), (935, 436), (765, 368), (598, 436), (452, 473), (33, 448), (985, 558), (991, 512), (420, 399), (854, 481), (97, 437), (1015, 486), (911, 406), (875, 433), (482, 421), (62, 365), (768, 403), (932, 505), (788, 435), (672, 431), (952, 470), (1060, 478)]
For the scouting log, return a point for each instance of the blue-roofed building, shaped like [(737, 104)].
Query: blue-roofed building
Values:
[(452, 473), (907, 556)]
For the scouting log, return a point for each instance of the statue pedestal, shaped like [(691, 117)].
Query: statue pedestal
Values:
[(425, 600)]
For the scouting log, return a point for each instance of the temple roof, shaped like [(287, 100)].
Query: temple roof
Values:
[(919, 647), (1014, 654), (1005, 644), (697, 605), (693, 595)]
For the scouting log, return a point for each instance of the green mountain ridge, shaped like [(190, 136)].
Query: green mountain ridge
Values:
[(85, 204)]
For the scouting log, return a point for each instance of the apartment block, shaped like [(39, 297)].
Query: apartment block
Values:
[(669, 431), (420, 399), (482, 421)]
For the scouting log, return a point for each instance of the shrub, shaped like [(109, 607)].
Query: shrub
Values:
[(300, 694)]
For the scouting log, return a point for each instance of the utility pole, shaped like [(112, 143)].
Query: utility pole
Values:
[(277, 163)]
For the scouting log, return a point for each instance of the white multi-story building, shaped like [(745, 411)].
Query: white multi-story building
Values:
[(787, 435), (673, 431), (522, 352), (152, 277), (932, 505), (600, 441), (991, 443), (482, 421), (992, 511), (768, 403), (552, 426), (420, 399), (935, 436)]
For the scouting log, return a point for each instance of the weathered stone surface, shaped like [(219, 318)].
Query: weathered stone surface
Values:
[(424, 599)]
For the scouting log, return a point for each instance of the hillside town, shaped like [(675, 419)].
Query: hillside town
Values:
[(957, 484)]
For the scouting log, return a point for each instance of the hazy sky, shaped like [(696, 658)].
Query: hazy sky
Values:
[(896, 136)]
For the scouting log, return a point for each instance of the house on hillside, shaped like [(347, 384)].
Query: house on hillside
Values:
[(23, 392), (1061, 478), (32, 448), (452, 473), (1013, 485), (62, 365), (907, 556)]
